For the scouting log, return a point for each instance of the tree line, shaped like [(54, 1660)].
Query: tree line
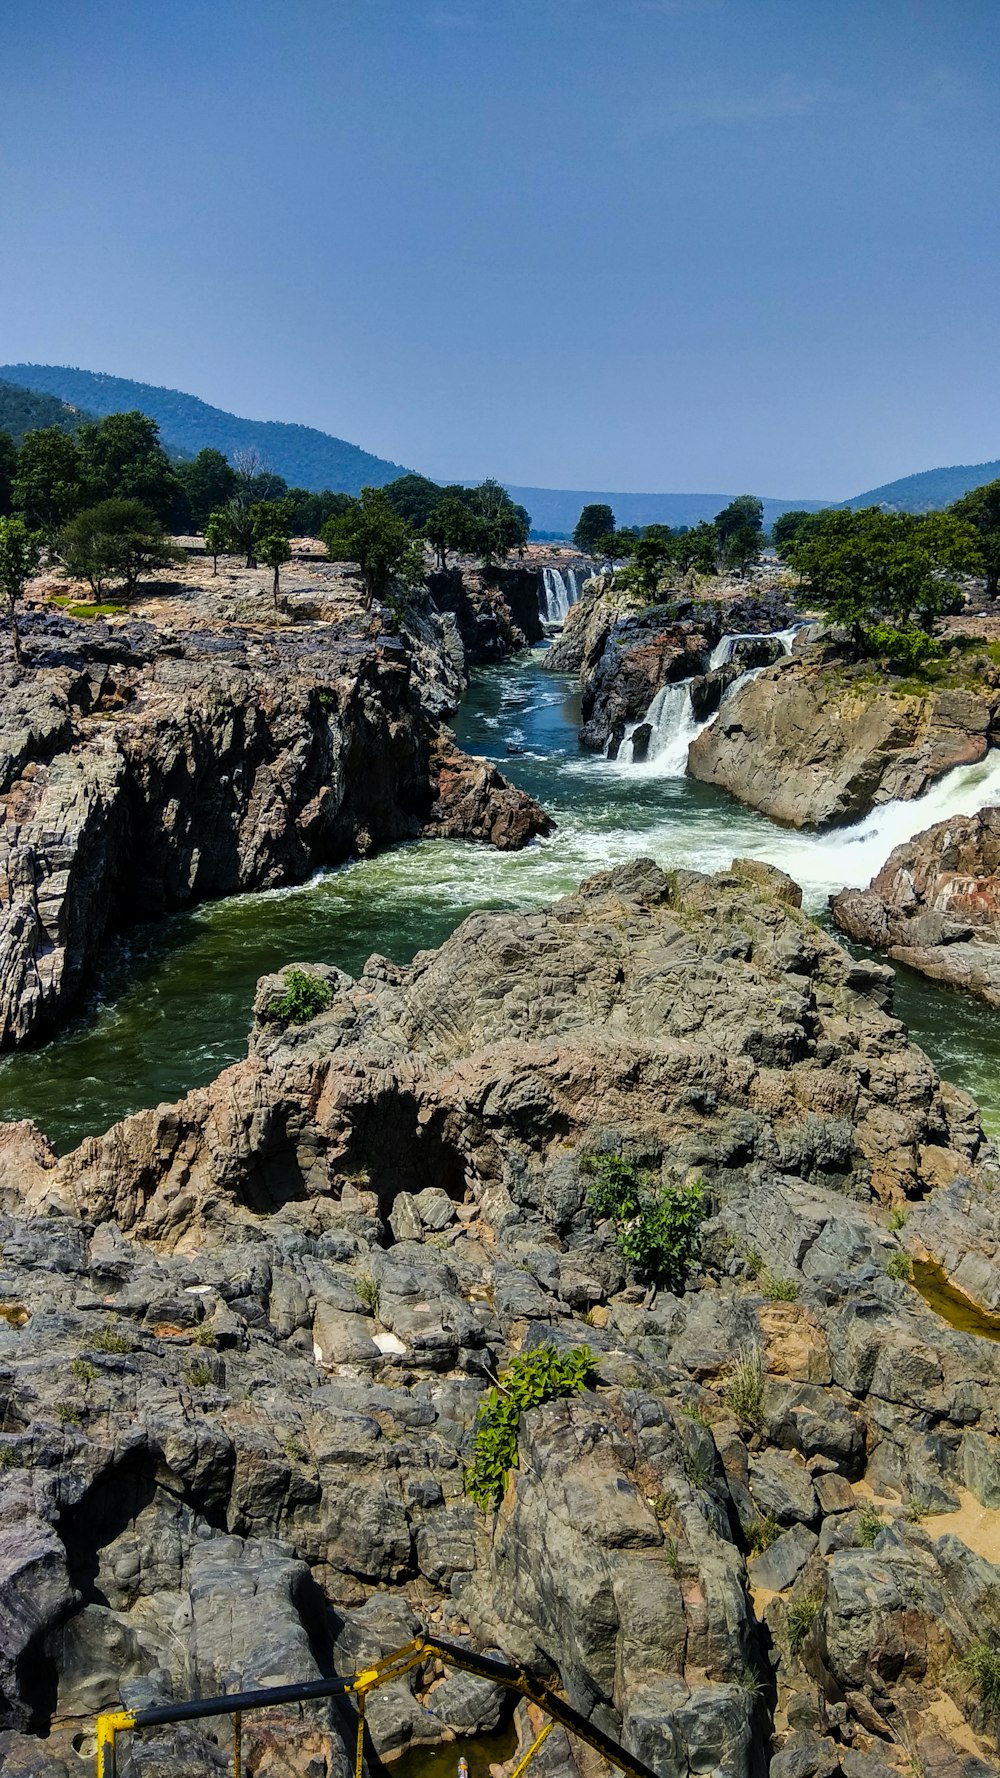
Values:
[(106, 499), (884, 577)]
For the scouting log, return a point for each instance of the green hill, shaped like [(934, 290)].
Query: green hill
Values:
[(930, 490), (306, 457), (26, 410)]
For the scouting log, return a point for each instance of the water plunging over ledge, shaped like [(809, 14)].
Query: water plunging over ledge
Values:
[(670, 719), (560, 588), (172, 1006)]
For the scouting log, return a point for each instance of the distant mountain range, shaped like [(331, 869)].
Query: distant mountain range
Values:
[(929, 490), (306, 457), (61, 395)]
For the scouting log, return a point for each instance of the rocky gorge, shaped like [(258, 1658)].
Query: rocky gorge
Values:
[(144, 769), (244, 1339)]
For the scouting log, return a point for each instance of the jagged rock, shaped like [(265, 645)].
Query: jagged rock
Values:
[(811, 747), (935, 905), (230, 760)]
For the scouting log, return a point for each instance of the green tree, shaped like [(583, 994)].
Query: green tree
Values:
[(739, 529), (19, 554), (373, 535), (313, 510), (981, 508), (595, 521), (218, 536), (788, 527), (696, 548), (272, 520), (414, 498), (123, 459), (500, 524), (885, 576), (48, 484), (652, 554), (8, 470), (115, 540), (451, 526), (614, 546), (209, 482)]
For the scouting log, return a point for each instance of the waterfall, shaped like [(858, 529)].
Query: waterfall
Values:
[(674, 724), (559, 590)]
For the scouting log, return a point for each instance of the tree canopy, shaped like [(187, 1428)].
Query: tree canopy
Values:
[(208, 481), (885, 577), (19, 553), (981, 509), (115, 540), (48, 483), (123, 459), (414, 498), (595, 522), (384, 546)]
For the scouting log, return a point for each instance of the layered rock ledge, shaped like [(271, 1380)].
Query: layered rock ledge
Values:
[(142, 771), (244, 1339), (935, 905), (813, 745)]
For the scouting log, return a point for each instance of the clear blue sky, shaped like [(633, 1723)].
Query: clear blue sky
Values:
[(637, 244)]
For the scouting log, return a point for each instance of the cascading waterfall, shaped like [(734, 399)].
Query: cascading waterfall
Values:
[(671, 718), (560, 589)]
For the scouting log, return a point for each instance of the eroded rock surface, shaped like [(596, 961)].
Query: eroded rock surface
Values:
[(813, 746), (243, 1340), (141, 772), (935, 905)]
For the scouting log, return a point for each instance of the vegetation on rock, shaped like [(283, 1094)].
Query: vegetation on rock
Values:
[(529, 1380), (657, 1228), (304, 998)]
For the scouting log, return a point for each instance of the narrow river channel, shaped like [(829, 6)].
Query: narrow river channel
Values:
[(173, 1003)]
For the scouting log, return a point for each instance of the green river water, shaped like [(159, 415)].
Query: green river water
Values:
[(173, 1003)]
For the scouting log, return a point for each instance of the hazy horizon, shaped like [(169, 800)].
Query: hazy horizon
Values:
[(659, 245)]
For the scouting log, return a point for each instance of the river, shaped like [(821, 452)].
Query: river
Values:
[(173, 1003)]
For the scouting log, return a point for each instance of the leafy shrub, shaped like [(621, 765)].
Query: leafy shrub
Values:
[(67, 1413), (200, 1373), (744, 1392), (870, 1523), (899, 1267), (203, 1335), (11, 1457), (83, 1370), (657, 1229), (908, 647), (897, 1218), (305, 996), (982, 1665), (529, 1380), (802, 1614)]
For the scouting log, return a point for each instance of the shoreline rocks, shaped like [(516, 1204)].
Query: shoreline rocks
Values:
[(142, 772), (935, 905)]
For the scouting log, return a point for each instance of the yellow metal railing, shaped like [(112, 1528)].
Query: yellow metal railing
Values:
[(116, 1722)]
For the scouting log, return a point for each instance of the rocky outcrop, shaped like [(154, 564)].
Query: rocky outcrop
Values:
[(813, 746), (244, 1339), (496, 611), (935, 905), (143, 773)]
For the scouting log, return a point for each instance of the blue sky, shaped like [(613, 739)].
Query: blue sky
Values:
[(639, 244)]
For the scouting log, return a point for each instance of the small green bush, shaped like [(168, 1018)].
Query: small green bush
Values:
[(870, 1523), (200, 1374), (11, 1457), (67, 1413), (780, 1290), (305, 996), (802, 1614), (744, 1392), (698, 1469), (369, 1292), (529, 1380), (897, 1218), (907, 647), (203, 1335), (982, 1665), (899, 1267), (762, 1532), (114, 1339), (657, 1229), (83, 1370)]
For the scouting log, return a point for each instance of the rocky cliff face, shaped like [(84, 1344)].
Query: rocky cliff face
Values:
[(140, 773), (496, 612), (812, 746), (244, 1339), (935, 905)]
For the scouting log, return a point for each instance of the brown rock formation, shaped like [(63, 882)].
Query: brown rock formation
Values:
[(812, 747), (935, 904)]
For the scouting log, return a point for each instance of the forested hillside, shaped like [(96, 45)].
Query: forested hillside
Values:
[(304, 456), (24, 410), (930, 490)]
